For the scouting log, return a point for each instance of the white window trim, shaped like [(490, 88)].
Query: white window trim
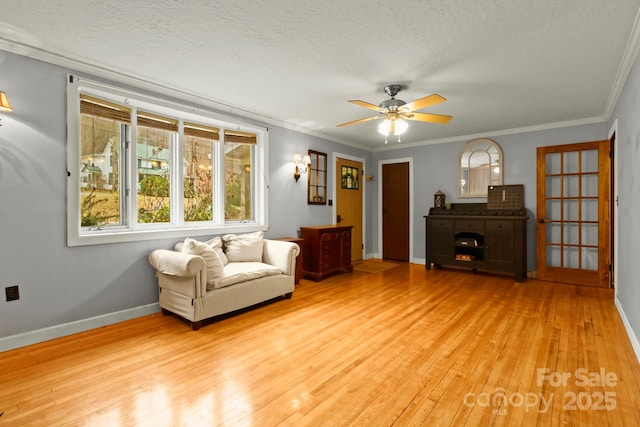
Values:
[(132, 232)]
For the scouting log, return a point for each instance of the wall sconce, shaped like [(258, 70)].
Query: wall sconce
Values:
[(301, 165), (5, 105)]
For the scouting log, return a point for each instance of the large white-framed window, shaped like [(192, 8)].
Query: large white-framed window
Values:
[(141, 168)]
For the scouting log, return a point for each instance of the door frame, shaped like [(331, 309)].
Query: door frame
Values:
[(613, 198), (380, 237), (331, 172)]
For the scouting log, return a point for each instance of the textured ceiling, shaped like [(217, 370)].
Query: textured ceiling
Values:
[(502, 65)]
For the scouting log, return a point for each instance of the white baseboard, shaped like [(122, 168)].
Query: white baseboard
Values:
[(57, 331), (635, 343)]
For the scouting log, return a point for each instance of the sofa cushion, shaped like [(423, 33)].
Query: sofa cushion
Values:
[(236, 272), (215, 267), (216, 244), (244, 247)]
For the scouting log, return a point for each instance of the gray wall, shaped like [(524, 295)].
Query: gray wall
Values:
[(60, 284), (627, 113)]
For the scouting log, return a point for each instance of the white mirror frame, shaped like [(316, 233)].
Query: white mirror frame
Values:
[(475, 176)]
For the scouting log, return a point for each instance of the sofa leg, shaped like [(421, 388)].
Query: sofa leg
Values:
[(196, 325), (165, 312), (288, 295)]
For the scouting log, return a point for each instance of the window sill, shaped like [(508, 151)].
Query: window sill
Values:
[(113, 236)]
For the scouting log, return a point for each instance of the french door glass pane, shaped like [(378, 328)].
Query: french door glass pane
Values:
[(571, 234), (553, 256), (571, 186), (570, 211), (590, 258), (570, 162), (554, 211), (590, 161), (589, 210), (553, 186), (552, 162), (554, 230), (571, 257), (590, 185), (590, 234)]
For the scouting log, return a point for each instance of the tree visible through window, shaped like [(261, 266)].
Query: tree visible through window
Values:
[(238, 160), (139, 167)]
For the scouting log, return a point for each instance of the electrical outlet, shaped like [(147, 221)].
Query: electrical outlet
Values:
[(12, 293)]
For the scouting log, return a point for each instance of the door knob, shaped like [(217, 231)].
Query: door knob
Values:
[(338, 219), (542, 220)]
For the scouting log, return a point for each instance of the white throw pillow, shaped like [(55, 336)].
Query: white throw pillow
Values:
[(216, 244), (215, 268), (244, 247)]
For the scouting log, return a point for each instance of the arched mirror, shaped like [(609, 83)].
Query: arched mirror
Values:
[(480, 165)]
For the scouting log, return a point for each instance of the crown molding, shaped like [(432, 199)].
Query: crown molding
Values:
[(624, 68)]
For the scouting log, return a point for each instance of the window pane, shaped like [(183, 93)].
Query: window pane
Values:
[(238, 170), (100, 171), (198, 178), (154, 156)]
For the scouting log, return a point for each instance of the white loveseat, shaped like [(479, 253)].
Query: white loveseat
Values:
[(199, 280)]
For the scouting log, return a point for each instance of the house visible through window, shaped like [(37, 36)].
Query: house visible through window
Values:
[(184, 174)]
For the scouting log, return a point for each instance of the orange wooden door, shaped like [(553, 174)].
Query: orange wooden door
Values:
[(349, 176), (573, 213)]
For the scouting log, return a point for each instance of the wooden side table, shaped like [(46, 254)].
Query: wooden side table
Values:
[(299, 242)]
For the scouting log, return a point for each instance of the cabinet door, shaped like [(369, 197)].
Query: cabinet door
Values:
[(345, 249), (500, 249), (328, 259), (439, 240)]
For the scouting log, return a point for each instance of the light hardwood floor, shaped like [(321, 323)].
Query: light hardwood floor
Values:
[(404, 347)]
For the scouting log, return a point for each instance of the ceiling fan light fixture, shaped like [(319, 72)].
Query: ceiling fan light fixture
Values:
[(400, 127)]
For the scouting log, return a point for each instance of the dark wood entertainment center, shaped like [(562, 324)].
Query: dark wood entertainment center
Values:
[(471, 236)]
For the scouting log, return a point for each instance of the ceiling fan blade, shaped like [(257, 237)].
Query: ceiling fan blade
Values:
[(368, 105), (421, 103), (355, 122), (426, 117)]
